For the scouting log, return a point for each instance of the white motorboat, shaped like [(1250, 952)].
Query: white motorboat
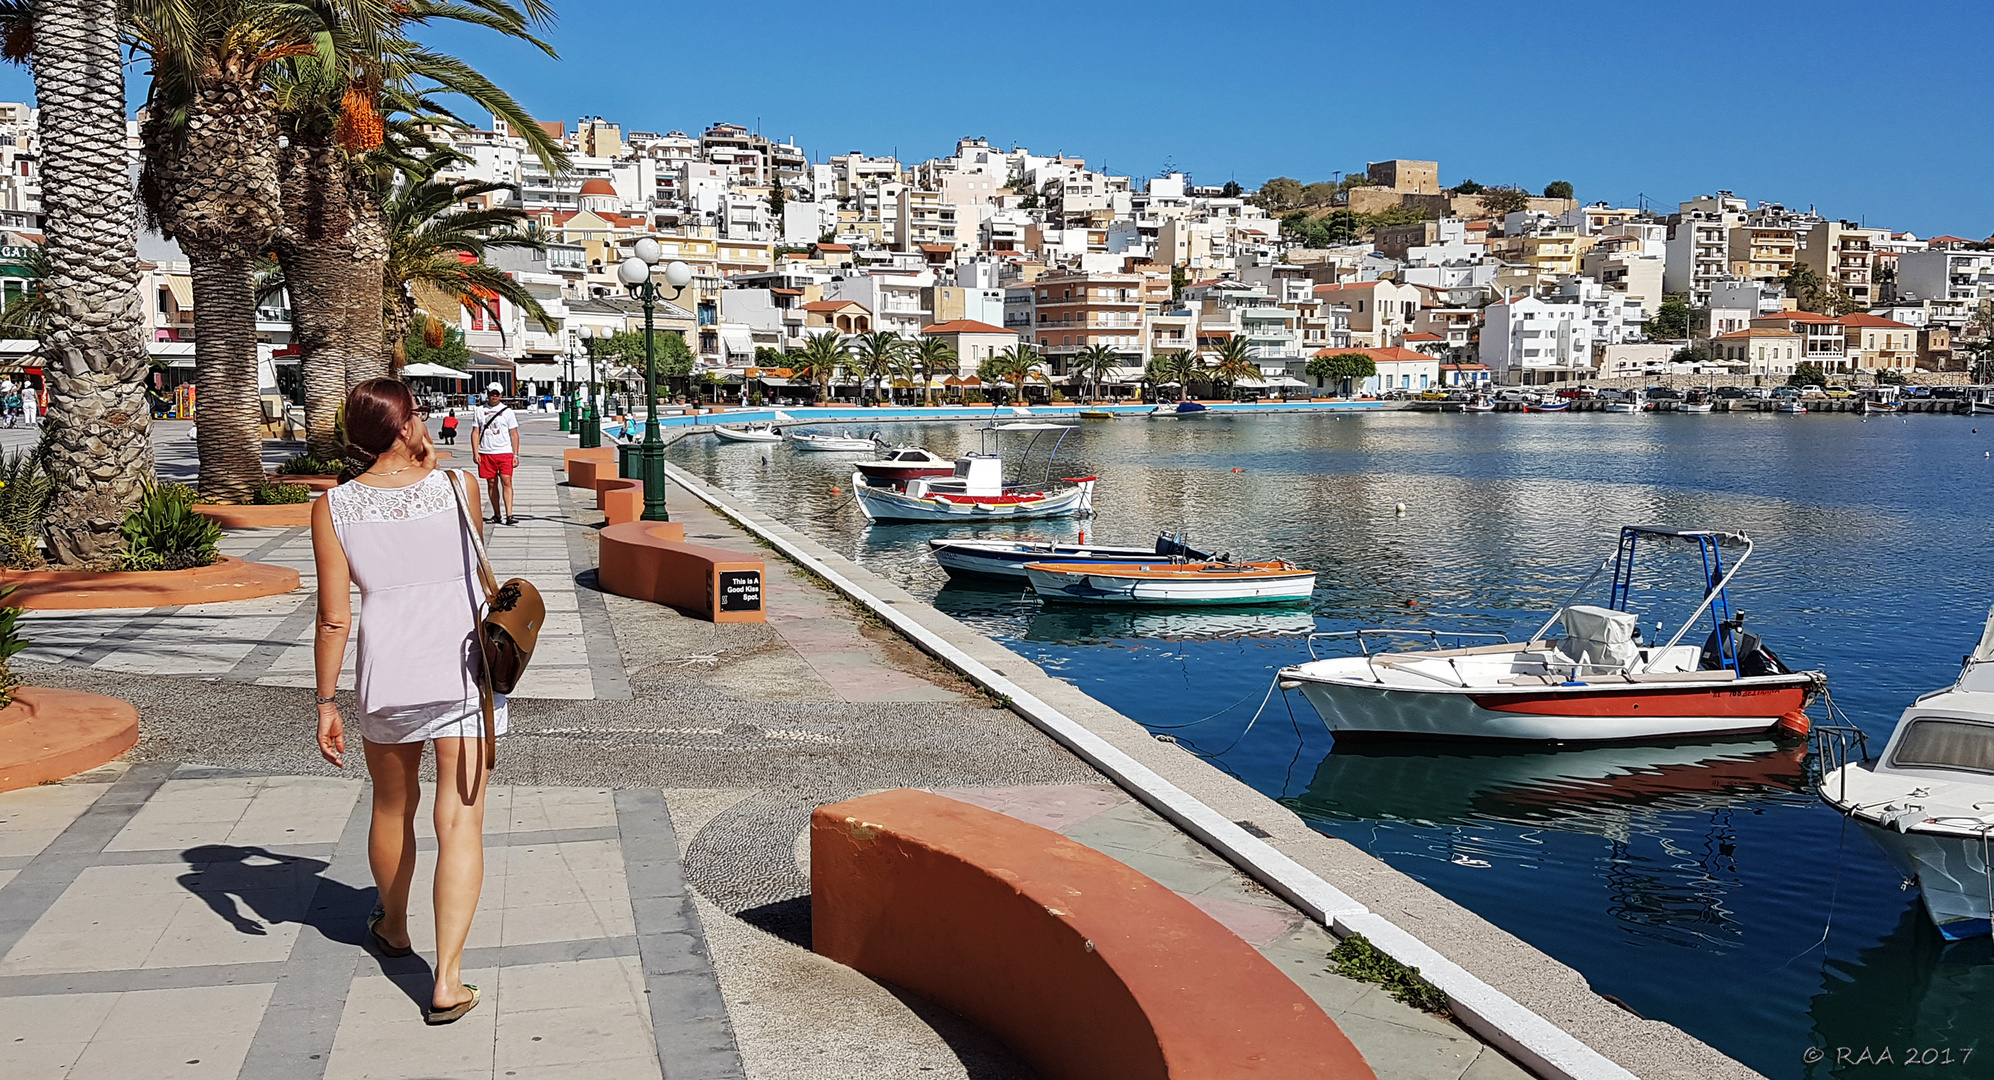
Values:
[(1007, 558), (843, 443), (1695, 405), (759, 433), (1171, 583), (1928, 799), (1597, 682), (899, 464), (1623, 406), (1790, 406), (1480, 403)]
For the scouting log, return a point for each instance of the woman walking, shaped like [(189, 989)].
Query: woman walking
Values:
[(396, 530)]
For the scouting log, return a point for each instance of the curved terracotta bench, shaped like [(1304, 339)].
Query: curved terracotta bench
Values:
[(229, 579), (585, 467), (1082, 966), (619, 498), (650, 560), (47, 734)]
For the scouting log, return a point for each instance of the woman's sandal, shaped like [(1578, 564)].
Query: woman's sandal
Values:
[(455, 1012), (380, 943)]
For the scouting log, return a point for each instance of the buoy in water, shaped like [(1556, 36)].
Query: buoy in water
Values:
[(1239, 470), (1412, 603), (1401, 508), (1797, 723), (837, 491)]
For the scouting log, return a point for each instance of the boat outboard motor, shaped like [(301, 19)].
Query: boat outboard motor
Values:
[(1753, 656)]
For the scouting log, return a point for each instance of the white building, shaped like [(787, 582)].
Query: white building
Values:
[(1530, 341)]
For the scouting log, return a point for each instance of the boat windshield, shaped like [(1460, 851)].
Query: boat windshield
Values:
[(1946, 744)]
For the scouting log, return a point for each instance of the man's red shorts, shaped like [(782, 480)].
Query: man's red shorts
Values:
[(493, 466)]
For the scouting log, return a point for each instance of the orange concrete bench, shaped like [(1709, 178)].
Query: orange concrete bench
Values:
[(585, 467), (650, 560), (620, 499), (1082, 966), (47, 734)]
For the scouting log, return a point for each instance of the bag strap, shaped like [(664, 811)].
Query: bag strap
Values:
[(486, 704)]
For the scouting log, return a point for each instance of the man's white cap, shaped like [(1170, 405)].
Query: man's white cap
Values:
[(495, 388)]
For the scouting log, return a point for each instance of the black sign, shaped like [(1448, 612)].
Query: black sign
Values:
[(740, 590)]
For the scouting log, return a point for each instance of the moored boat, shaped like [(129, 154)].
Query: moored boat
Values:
[(1096, 414), (1480, 403), (759, 433), (1174, 582), (1623, 406), (1790, 406), (975, 490), (1007, 558), (902, 463), (1547, 405), (1596, 682), (845, 442), (1926, 799)]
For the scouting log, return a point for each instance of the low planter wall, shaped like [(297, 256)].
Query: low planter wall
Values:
[(48, 734), (315, 482), (74, 590), (250, 516)]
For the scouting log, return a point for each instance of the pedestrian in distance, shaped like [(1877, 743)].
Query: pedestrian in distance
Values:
[(450, 428), (495, 446), (397, 529)]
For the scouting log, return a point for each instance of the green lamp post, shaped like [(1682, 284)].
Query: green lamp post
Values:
[(590, 421), (568, 393), (635, 274)]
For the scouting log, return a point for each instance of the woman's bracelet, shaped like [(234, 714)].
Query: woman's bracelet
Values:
[(327, 700)]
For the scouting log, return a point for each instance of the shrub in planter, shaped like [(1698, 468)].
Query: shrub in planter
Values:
[(282, 494), (165, 533), (11, 642), (307, 465), (26, 490)]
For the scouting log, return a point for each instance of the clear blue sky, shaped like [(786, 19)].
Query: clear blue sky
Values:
[(1865, 111)]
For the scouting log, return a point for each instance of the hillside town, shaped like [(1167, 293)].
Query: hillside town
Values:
[(993, 248)]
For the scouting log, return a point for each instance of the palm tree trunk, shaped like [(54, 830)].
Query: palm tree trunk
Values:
[(399, 316), (368, 347), (316, 249), (99, 423), (215, 191)]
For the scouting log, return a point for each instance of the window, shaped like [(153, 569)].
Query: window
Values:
[(1946, 744)]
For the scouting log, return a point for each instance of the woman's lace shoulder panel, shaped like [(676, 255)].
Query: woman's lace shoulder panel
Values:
[(355, 502)]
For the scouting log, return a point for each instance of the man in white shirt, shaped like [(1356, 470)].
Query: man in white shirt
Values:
[(495, 446)]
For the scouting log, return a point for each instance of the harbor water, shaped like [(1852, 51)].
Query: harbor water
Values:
[(1702, 885)]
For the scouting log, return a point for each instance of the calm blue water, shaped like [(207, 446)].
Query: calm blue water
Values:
[(1704, 885)]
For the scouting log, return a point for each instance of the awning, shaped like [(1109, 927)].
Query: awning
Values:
[(182, 290), (538, 372), (433, 371), (737, 341)]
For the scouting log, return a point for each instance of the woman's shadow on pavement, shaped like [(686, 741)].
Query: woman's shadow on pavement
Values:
[(277, 888)]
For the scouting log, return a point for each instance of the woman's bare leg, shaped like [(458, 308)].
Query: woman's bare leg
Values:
[(460, 859), (395, 768)]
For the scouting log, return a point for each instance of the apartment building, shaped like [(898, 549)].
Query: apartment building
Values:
[(1075, 310), (1822, 337), (1381, 312), (1844, 254), (1531, 341), (1699, 247), (897, 301), (972, 341), (1878, 344), (1767, 352), (1966, 276), (20, 168), (1619, 264), (925, 219)]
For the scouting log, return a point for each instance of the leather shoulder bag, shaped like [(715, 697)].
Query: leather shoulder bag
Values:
[(508, 623)]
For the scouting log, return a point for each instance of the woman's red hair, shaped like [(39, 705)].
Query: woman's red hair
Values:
[(377, 411)]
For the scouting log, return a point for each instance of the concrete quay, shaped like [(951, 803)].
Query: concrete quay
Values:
[(195, 909)]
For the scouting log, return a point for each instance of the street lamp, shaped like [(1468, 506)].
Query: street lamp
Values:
[(590, 422), (635, 274), (568, 392)]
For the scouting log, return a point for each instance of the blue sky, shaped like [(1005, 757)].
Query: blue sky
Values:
[(1869, 112)]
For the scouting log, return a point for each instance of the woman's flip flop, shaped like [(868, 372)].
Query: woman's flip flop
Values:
[(455, 1012), (381, 943)]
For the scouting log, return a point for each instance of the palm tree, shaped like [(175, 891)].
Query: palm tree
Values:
[(436, 244), (876, 357), (930, 357), (209, 146), (1096, 362), (1170, 367), (818, 360), (1235, 362), (98, 433), (1017, 365)]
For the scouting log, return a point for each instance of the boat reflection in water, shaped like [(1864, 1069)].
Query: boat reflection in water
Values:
[(1078, 625), (1912, 990), (1605, 790)]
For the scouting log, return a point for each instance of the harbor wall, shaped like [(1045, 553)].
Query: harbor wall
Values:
[(1537, 1010)]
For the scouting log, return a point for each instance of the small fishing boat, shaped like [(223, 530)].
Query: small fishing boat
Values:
[(1178, 408), (976, 488), (1928, 799), (843, 443), (1624, 406), (1886, 408), (758, 433), (1096, 414), (1007, 558), (1171, 582), (1696, 402), (1547, 405), (1480, 403), (1596, 682), (902, 463), (1790, 406)]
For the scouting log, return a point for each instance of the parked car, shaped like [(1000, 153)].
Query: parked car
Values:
[(1732, 393), (1815, 393), (1756, 393), (1840, 392), (1916, 391)]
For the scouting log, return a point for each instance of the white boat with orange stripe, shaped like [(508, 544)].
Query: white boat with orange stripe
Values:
[(1596, 681), (976, 489), (1171, 582)]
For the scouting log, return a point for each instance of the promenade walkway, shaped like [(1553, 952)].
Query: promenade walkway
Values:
[(195, 910)]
